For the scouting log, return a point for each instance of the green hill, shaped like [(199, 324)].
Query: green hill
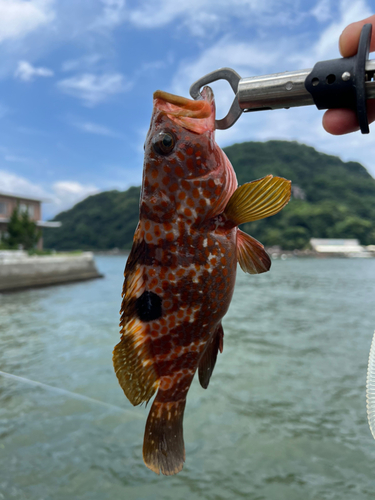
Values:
[(331, 199), (100, 222)]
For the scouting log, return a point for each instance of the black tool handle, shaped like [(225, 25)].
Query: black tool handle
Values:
[(340, 83)]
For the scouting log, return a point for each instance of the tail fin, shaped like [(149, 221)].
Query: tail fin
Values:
[(163, 446)]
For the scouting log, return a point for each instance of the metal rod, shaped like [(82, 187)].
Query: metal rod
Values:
[(285, 90), (280, 90)]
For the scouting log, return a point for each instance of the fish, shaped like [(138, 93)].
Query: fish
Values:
[(180, 274)]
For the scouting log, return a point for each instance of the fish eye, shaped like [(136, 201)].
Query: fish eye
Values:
[(164, 143)]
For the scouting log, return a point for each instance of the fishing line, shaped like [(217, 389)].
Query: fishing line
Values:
[(62, 391), (370, 388)]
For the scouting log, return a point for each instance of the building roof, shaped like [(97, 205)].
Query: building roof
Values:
[(39, 223), (46, 223), (334, 241), (329, 245), (22, 197)]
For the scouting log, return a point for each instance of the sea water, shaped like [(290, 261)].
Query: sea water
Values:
[(284, 416)]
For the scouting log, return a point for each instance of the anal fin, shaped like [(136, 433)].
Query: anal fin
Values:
[(251, 255), (208, 360)]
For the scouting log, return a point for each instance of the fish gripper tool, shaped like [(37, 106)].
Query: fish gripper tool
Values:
[(346, 82)]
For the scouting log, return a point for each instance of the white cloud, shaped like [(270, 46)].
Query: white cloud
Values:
[(326, 46), (12, 183), (86, 61), (204, 18), (18, 17), (93, 89), (95, 128), (247, 59), (26, 72), (322, 11), (68, 193), (62, 195), (349, 12), (113, 13), (151, 14)]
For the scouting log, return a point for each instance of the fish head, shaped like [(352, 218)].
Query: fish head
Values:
[(183, 163)]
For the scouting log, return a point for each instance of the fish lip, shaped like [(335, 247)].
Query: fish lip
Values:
[(182, 106), (171, 98), (195, 115)]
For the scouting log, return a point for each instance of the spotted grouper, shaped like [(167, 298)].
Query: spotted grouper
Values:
[(180, 274)]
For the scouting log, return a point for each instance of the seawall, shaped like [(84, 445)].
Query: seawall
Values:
[(18, 270)]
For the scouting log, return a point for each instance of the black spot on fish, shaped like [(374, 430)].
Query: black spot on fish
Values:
[(148, 306)]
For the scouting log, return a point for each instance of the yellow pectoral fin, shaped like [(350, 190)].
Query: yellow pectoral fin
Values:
[(258, 199), (251, 255)]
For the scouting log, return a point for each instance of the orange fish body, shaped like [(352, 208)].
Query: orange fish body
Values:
[(180, 274)]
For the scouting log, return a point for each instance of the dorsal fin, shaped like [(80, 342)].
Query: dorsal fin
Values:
[(251, 255), (258, 199)]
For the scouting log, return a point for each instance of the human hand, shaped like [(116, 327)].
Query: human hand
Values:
[(343, 121)]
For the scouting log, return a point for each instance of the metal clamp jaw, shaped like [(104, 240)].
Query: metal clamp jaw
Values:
[(234, 79), (337, 83)]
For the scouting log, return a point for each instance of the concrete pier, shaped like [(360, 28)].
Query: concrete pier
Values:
[(18, 270)]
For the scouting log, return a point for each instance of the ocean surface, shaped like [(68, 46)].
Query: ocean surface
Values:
[(284, 416)]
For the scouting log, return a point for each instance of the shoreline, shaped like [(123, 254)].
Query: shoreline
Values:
[(19, 271), (273, 252)]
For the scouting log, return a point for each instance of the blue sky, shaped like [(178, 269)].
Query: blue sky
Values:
[(77, 78)]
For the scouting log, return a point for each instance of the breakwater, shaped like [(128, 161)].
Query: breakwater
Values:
[(18, 270)]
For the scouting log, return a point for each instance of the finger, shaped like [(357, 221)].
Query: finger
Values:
[(349, 38), (344, 121), (340, 121)]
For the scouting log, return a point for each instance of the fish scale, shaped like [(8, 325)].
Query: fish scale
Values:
[(180, 274)]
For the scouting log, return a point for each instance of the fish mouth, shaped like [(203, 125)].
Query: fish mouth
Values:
[(195, 115)]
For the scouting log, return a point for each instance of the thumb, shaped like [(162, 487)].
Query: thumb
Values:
[(349, 38)]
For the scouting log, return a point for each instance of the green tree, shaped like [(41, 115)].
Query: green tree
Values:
[(21, 231), (355, 227)]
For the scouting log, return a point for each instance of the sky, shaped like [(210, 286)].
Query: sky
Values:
[(77, 78)]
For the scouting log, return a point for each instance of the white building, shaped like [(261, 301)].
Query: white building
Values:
[(345, 248)]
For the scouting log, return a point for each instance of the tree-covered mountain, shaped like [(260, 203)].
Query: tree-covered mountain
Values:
[(100, 222), (331, 199)]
